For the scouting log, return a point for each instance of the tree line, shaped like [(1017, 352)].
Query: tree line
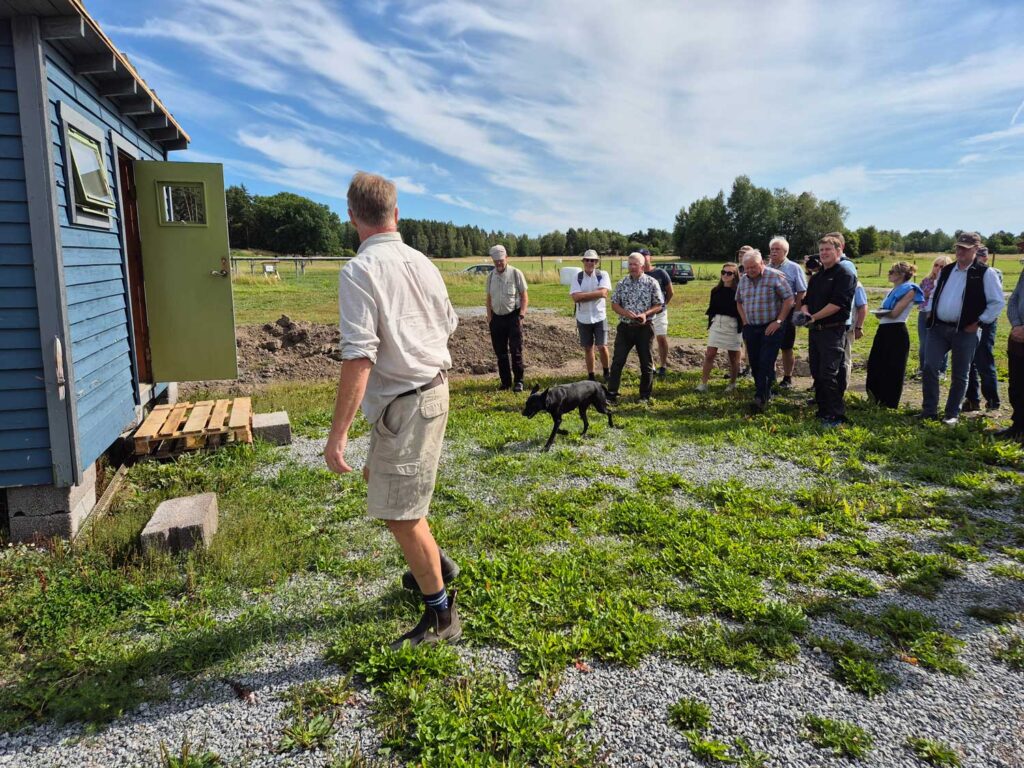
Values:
[(709, 228)]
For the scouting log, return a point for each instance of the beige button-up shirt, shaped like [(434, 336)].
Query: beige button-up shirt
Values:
[(506, 290), (395, 311)]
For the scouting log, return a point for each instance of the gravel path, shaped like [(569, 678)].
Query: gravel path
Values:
[(981, 715)]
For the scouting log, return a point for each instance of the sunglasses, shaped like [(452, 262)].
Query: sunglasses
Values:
[(727, 273), (590, 261)]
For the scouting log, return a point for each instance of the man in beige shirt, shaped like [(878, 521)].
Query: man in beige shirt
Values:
[(506, 308), (396, 318)]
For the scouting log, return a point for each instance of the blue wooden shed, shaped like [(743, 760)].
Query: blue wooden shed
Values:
[(113, 261)]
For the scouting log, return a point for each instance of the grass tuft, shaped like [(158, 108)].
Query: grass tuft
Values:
[(690, 715), (841, 738), (934, 752)]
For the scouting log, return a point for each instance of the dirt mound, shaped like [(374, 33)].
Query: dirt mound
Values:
[(299, 351)]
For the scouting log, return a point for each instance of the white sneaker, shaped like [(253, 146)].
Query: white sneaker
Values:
[(702, 387), (731, 386), (951, 421)]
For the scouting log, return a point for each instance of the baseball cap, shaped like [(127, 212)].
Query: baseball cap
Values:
[(969, 240), (589, 254), (644, 252), (498, 252)]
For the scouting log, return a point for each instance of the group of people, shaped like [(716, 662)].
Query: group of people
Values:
[(396, 319)]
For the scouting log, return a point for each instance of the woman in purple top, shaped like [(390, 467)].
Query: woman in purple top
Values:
[(927, 287)]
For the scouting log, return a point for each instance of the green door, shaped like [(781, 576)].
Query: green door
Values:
[(186, 270)]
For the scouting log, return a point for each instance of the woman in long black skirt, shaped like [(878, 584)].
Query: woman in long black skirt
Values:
[(887, 363)]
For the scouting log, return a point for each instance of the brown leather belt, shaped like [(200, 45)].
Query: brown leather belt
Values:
[(437, 381)]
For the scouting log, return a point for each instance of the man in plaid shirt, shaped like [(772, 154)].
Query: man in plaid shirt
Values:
[(764, 299), (636, 299)]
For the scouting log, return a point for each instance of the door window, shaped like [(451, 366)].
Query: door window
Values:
[(182, 204)]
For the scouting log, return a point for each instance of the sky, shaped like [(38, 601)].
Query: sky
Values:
[(533, 115)]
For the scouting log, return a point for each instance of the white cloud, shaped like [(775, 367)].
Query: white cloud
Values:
[(598, 114), (1013, 132)]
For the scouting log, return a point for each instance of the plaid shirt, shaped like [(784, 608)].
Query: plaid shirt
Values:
[(763, 299), (637, 295)]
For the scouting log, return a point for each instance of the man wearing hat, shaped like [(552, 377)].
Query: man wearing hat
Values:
[(589, 289), (982, 379), (967, 295), (506, 308)]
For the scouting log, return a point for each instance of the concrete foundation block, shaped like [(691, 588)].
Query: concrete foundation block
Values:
[(44, 500), (275, 428), (182, 524)]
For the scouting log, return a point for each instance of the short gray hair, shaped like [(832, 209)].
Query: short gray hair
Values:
[(781, 240), (751, 255), (638, 255)]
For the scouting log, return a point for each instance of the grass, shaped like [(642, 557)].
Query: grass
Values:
[(934, 752), (188, 756), (690, 715), (713, 573), (841, 738)]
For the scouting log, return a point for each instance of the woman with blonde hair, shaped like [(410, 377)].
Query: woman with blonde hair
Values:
[(928, 287), (723, 327), (887, 363)]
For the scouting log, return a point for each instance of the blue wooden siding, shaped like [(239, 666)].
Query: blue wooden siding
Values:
[(24, 431), (94, 275)]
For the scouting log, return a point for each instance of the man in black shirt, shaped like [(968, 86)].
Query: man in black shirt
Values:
[(660, 320), (828, 301)]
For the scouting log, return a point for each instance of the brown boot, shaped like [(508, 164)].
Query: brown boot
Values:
[(434, 626)]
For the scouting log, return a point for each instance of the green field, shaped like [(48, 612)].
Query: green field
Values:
[(313, 297)]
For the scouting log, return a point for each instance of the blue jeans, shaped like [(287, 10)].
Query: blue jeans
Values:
[(984, 367), (762, 351), (922, 343), (942, 340)]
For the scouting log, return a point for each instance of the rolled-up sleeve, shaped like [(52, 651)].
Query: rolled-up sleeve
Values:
[(358, 312)]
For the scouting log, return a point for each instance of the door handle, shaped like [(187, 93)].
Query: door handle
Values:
[(219, 272)]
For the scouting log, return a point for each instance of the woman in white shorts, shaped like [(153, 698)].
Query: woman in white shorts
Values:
[(723, 327)]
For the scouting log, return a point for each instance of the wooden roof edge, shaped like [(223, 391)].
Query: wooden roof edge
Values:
[(123, 61)]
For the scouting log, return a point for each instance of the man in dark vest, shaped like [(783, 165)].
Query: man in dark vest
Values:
[(967, 295)]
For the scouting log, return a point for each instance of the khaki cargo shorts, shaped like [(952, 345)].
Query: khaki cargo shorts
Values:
[(405, 448)]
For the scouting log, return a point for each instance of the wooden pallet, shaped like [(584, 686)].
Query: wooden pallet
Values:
[(172, 429)]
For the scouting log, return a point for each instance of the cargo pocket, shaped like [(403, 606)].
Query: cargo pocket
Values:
[(403, 481), (431, 409)]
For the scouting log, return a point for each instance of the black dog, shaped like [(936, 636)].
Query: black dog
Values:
[(562, 398)]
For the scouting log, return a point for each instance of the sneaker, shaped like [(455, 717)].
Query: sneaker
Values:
[(730, 387), (645, 401), (702, 387), (449, 571), (830, 423), (504, 387), (662, 371), (927, 416), (786, 383), (951, 421), (758, 405), (1011, 433), (970, 406), (517, 387), (434, 627), (992, 406), (812, 401), (613, 397)]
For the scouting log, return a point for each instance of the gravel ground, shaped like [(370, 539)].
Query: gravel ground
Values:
[(981, 715)]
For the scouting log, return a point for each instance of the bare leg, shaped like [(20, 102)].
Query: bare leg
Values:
[(788, 361), (603, 352), (421, 553), (709, 361), (734, 366), (588, 354), (663, 350)]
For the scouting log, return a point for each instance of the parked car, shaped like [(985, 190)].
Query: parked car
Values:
[(479, 269), (679, 271)]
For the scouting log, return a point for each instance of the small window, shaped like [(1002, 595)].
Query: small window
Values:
[(92, 191), (182, 204)]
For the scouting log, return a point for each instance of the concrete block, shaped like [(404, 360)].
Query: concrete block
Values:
[(275, 428), (40, 527), (183, 523), (45, 500)]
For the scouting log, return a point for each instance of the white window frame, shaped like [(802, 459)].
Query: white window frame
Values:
[(85, 213)]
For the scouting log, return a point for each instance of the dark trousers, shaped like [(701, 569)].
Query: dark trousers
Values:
[(1015, 358), (507, 340), (887, 364), (627, 337), (984, 367), (828, 360), (762, 352)]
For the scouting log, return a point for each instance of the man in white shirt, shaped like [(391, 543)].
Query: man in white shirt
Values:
[(778, 253), (396, 318), (967, 295), (589, 289)]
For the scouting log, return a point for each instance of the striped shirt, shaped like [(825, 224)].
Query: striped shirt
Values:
[(763, 298)]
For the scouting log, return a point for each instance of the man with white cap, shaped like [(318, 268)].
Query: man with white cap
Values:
[(506, 308), (589, 290)]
